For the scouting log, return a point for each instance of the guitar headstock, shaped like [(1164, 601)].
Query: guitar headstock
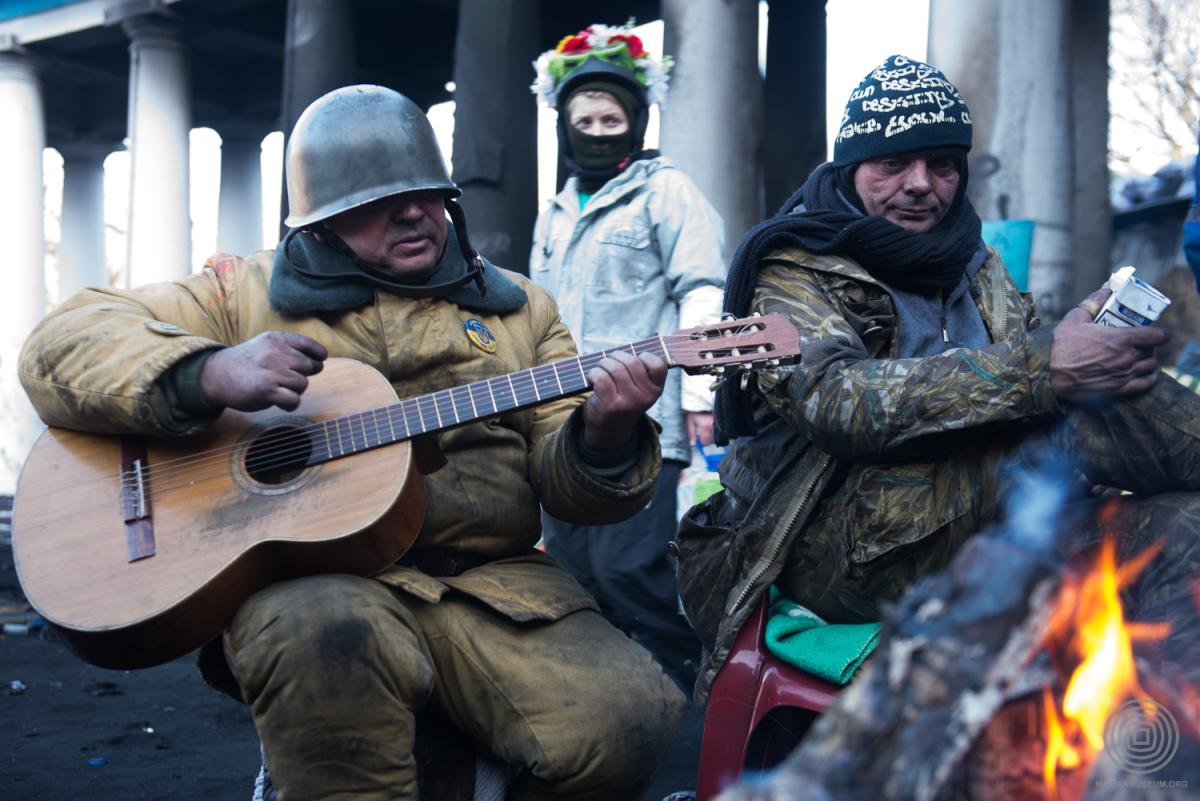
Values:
[(744, 342)]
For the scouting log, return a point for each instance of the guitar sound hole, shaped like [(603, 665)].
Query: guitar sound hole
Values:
[(278, 455)]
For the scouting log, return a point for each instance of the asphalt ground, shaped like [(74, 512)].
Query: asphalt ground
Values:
[(70, 731)]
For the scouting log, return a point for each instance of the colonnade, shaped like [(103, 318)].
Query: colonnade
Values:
[(158, 234), (23, 301)]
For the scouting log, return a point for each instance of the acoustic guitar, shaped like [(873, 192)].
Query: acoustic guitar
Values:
[(140, 549)]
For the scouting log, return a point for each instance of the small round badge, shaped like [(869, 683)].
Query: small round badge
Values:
[(480, 336)]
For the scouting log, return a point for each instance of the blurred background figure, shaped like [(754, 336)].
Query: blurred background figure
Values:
[(630, 249), (1191, 226)]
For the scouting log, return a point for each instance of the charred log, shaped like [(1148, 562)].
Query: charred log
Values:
[(950, 653)]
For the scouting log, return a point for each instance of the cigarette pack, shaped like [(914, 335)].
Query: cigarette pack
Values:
[(1133, 302)]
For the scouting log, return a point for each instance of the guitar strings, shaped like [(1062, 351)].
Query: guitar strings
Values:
[(286, 448), (186, 470)]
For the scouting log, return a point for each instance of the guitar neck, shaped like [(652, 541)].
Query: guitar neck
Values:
[(448, 408)]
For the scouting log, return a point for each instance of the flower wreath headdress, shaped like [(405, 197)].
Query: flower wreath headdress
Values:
[(615, 45)]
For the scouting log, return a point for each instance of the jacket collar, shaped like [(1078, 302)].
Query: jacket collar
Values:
[(842, 266), (630, 179), (311, 277), (989, 286), (846, 267)]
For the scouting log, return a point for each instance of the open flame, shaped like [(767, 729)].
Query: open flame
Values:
[(1091, 624)]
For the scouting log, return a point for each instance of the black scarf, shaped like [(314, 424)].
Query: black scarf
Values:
[(820, 219)]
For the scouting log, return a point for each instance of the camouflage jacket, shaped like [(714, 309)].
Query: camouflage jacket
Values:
[(849, 402)]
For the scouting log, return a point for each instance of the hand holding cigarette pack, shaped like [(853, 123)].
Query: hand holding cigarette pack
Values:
[(1133, 302)]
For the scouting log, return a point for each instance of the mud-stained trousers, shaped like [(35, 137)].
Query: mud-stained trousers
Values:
[(1149, 445), (625, 567), (336, 667)]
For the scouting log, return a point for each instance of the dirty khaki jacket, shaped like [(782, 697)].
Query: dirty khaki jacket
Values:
[(849, 406), (95, 364)]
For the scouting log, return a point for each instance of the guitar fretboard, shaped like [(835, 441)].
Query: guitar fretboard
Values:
[(447, 408)]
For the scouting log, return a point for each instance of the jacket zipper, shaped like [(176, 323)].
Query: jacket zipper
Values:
[(781, 538), (945, 330), (998, 312)]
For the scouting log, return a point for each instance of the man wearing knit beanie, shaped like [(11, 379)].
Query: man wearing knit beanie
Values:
[(926, 386)]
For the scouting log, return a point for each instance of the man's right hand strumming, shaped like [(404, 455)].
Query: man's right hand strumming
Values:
[(270, 370)]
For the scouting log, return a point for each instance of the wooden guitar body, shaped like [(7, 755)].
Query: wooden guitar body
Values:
[(220, 530), (140, 549)]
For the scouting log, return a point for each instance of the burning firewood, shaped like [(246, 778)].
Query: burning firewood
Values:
[(950, 652), (1004, 677)]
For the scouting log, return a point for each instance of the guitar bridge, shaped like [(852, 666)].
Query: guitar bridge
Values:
[(133, 492), (135, 499)]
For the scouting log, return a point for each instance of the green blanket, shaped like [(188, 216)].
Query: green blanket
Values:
[(832, 651)]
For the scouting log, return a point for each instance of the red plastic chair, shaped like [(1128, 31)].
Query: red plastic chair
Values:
[(750, 686)]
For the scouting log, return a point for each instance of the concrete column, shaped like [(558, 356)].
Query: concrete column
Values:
[(160, 226), (239, 215), (318, 58), (23, 301), (712, 124), (794, 91), (495, 126), (1033, 142), (81, 254), (964, 44), (1089, 82)]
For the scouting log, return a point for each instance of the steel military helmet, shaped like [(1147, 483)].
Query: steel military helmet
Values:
[(357, 144)]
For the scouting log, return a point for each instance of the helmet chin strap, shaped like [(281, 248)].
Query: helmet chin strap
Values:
[(379, 276), (474, 260)]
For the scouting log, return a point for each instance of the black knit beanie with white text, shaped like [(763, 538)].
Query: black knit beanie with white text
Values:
[(901, 106)]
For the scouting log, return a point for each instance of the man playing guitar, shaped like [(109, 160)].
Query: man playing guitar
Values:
[(472, 619)]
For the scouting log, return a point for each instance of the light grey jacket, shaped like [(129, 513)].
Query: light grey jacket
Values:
[(643, 257)]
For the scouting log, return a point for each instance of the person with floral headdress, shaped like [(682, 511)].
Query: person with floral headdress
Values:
[(629, 248)]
